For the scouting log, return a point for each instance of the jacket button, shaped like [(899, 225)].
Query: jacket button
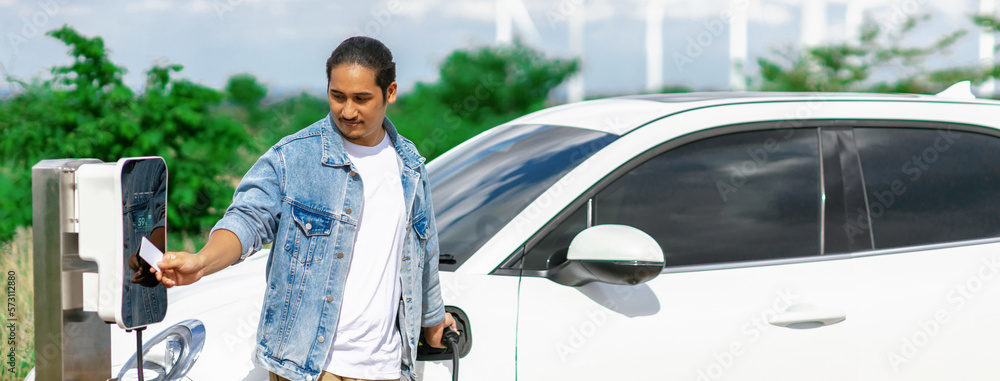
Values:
[(340, 255), (309, 225), (348, 211), (329, 298), (352, 173), (320, 340)]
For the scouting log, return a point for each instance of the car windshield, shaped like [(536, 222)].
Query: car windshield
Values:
[(480, 188)]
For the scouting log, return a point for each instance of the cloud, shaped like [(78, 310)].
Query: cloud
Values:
[(770, 14), (559, 11), (222, 7), (476, 10), (77, 10), (285, 32), (480, 10), (673, 9), (137, 6), (199, 6), (601, 10), (418, 10), (695, 9)]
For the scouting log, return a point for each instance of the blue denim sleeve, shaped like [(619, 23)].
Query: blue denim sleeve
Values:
[(255, 211), (433, 305)]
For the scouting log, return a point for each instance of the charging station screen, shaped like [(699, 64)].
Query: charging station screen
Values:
[(144, 212)]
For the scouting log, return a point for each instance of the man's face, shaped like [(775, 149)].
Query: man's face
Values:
[(356, 103)]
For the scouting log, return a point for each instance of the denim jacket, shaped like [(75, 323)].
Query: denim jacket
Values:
[(305, 196)]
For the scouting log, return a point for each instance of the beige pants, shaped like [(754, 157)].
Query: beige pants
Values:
[(326, 376)]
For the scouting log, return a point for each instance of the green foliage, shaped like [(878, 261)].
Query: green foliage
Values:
[(244, 90), (178, 123), (75, 114), (502, 80), (284, 118), (85, 111), (675, 89), (72, 114), (15, 206), (210, 138), (989, 23), (478, 89), (877, 62)]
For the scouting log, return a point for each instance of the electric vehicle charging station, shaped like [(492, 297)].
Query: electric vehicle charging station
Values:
[(90, 220)]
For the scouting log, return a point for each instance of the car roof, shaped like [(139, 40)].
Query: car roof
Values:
[(620, 115)]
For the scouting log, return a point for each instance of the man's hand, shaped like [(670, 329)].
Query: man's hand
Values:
[(179, 268), (433, 334), (142, 273)]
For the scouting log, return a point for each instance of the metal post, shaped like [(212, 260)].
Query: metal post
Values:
[(70, 344)]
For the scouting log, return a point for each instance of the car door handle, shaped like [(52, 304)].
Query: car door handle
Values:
[(805, 316)]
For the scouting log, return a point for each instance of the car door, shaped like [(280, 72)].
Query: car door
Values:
[(748, 291), (927, 294), (477, 189)]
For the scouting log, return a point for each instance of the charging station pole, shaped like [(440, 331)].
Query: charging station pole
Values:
[(70, 343)]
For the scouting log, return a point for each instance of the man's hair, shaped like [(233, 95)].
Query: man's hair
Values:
[(367, 52)]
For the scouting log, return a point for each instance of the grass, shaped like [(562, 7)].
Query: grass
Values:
[(16, 260)]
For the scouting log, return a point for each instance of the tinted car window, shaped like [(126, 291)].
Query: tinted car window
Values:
[(737, 197), (479, 189), (551, 250), (929, 186)]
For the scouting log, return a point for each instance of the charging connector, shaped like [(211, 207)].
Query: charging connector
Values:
[(450, 338), (457, 342)]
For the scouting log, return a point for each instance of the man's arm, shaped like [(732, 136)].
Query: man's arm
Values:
[(250, 221), (433, 305), (181, 268)]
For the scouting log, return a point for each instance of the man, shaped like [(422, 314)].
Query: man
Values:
[(353, 271)]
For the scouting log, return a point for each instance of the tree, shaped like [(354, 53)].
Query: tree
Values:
[(86, 111), (990, 24), (198, 145), (244, 90), (869, 64), (78, 113), (478, 89)]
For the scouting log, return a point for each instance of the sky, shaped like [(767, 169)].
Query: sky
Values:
[(285, 42)]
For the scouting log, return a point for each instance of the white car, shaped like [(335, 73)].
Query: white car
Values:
[(700, 236)]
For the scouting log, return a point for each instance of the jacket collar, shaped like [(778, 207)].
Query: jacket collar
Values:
[(334, 153)]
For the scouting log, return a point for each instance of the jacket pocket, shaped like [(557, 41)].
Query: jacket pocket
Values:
[(308, 234), (420, 226)]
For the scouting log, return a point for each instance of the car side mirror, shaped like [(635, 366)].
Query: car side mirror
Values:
[(615, 254)]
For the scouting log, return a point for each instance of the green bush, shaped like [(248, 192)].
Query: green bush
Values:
[(478, 89), (86, 111), (209, 138), (878, 62)]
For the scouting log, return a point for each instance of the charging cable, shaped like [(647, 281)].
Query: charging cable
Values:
[(138, 350), (450, 338)]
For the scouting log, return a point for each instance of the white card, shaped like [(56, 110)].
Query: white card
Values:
[(149, 252)]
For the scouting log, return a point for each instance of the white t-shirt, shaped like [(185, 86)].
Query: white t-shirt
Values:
[(366, 344)]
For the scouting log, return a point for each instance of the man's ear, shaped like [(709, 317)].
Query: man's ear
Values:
[(390, 93)]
